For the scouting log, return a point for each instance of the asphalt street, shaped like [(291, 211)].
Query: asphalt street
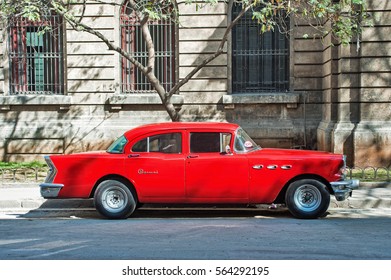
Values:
[(196, 237), (32, 228)]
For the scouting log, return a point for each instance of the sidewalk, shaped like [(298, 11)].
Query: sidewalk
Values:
[(27, 196)]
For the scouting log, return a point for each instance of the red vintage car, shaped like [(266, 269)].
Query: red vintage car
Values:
[(197, 163)]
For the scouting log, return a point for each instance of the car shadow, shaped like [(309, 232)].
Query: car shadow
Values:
[(84, 209), (209, 212)]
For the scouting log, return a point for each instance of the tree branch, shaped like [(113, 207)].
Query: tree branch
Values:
[(218, 52), (78, 26)]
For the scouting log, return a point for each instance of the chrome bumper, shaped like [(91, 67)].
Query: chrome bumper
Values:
[(343, 189), (50, 190)]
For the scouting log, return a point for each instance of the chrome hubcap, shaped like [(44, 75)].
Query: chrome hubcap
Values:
[(307, 198), (114, 199)]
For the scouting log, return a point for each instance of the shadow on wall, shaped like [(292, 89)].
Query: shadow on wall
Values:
[(374, 139), (199, 40), (33, 131)]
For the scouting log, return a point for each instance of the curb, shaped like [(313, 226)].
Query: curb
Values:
[(374, 185)]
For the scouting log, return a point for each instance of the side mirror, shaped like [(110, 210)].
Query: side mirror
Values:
[(228, 150)]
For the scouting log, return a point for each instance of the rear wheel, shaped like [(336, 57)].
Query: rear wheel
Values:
[(114, 200), (307, 199)]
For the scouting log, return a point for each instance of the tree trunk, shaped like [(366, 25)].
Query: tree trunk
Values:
[(164, 97)]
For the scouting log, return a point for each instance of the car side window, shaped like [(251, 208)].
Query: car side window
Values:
[(118, 145), (170, 143), (243, 142), (209, 142)]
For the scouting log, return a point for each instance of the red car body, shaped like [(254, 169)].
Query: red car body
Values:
[(208, 163)]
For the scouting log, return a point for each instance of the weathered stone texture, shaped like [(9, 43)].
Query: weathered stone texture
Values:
[(205, 85), (339, 99), (358, 122)]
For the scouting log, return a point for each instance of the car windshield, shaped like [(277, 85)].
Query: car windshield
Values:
[(118, 145), (244, 143)]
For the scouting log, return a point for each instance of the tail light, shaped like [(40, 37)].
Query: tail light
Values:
[(52, 170)]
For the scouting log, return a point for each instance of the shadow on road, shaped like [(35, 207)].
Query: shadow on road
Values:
[(73, 209)]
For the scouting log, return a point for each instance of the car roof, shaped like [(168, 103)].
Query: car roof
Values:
[(181, 126)]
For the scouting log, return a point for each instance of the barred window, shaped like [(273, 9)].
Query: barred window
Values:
[(36, 56), (163, 35), (260, 62)]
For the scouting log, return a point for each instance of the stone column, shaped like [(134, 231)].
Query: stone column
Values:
[(347, 104), (357, 100)]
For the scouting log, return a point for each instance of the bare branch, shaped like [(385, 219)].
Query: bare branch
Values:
[(83, 11), (78, 26), (210, 58)]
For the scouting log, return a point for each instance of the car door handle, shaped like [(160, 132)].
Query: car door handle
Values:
[(192, 156), (133, 155)]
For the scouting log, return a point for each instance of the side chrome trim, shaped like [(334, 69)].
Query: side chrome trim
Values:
[(286, 167)]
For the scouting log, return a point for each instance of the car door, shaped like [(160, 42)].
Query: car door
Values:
[(213, 175), (156, 165)]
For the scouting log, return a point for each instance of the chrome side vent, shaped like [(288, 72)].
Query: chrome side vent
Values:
[(258, 166), (272, 167), (286, 167)]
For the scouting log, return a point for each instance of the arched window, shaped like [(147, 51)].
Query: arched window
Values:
[(36, 56), (163, 35), (260, 62)]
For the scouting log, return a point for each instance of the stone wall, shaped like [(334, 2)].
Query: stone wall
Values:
[(356, 112), (339, 101)]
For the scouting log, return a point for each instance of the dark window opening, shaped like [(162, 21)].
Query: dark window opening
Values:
[(209, 142), (163, 35), (36, 56), (260, 62)]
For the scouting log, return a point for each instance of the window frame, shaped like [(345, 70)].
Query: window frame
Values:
[(289, 66), (240, 139), (23, 34), (222, 145), (118, 146), (179, 140), (127, 84)]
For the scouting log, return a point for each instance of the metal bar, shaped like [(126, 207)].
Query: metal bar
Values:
[(260, 63), (162, 33), (36, 60)]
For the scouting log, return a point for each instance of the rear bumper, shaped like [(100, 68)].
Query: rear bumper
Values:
[(343, 189), (50, 190)]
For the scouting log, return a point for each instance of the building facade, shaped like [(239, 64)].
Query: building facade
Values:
[(65, 92)]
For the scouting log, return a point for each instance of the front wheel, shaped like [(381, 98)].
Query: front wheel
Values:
[(114, 200), (307, 199)]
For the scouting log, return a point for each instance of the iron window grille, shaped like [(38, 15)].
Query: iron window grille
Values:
[(36, 56), (163, 35), (260, 62)]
